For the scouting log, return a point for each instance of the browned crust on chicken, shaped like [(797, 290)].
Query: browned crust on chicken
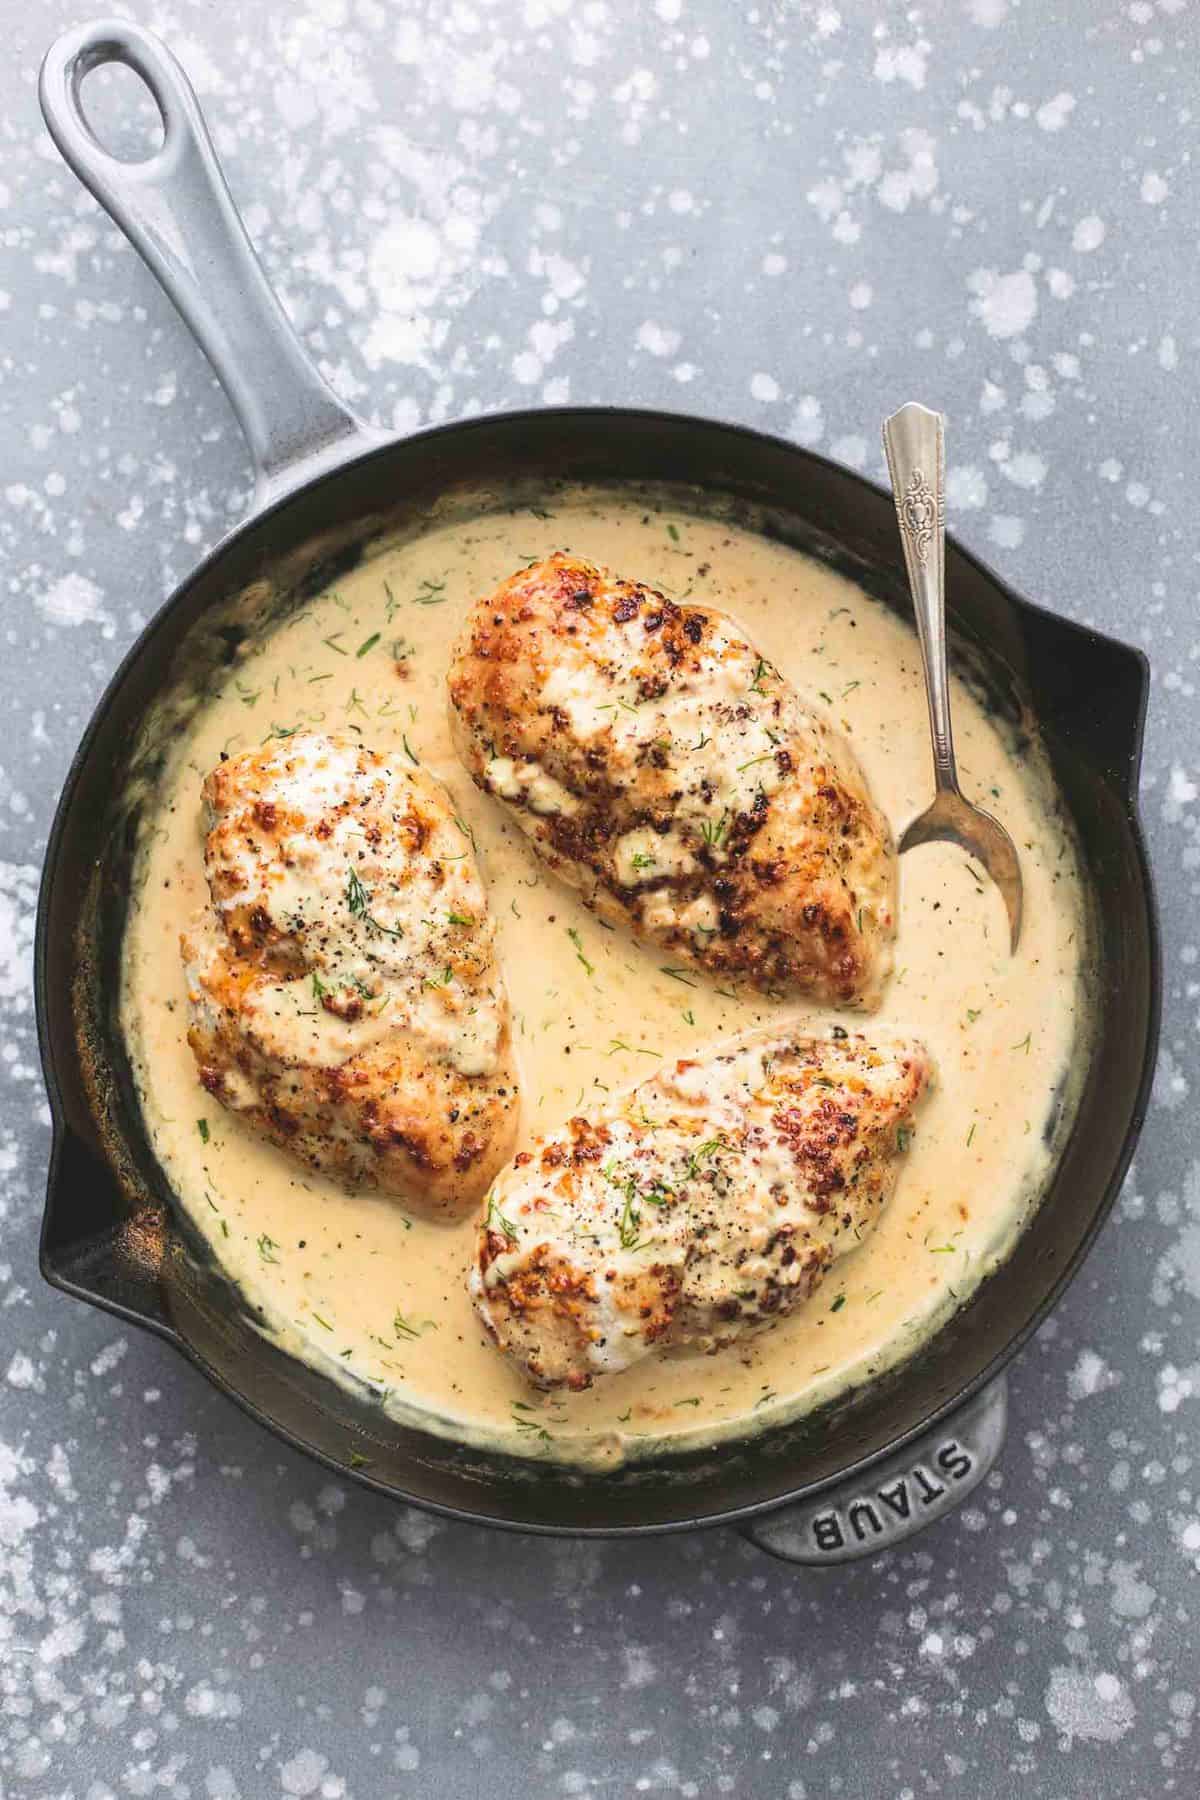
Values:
[(343, 991), (699, 1206), (664, 768)]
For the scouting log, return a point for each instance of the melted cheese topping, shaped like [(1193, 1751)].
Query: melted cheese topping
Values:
[(376, 923), (593, 1013), (707, 1202)]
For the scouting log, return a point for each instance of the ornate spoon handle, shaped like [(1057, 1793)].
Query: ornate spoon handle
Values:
[(913, 439)]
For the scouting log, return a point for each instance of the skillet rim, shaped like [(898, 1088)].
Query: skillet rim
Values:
[(531, 417)]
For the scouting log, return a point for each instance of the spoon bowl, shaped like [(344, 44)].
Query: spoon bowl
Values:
[(951, 819)]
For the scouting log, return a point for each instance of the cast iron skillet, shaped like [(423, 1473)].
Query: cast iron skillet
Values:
[(868, 1470)]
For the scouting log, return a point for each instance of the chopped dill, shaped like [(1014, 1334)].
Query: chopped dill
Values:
[(358, 902), (495, 1220), (701, 1153)]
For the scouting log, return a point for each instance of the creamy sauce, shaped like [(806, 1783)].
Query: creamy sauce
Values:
[(352, 1285)]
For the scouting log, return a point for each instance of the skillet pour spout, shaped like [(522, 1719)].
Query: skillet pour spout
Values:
[(891, 1456)]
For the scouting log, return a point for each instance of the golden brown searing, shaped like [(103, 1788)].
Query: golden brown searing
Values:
[(343, 991), (664, 768), (703, 1204)]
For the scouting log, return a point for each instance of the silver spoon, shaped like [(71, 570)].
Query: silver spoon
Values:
[(913, 439)]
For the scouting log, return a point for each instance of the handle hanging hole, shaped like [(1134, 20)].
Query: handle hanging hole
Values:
[(121, 112)]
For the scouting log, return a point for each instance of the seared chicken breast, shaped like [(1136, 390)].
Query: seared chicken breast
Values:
[(703, 1204), (344, 994), (665, 769)]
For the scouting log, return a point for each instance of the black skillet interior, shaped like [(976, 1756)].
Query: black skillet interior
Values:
[(111, 1235)]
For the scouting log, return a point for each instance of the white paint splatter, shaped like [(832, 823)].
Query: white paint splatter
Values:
[(18, 903), (1006, 531), (1094, 1707), (903, 62), (301, 1774), (1025, 469), (640, 1671), (808, 421), (1177, 1385), (851, 450), (75, 600), (1053, 115), (1090, 1375), (1171, 1086), (1089, 234), (966, 487), (659, 340), (21, 1372), (1006, 304)]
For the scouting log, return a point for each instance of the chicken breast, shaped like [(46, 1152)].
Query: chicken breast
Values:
[(705, 1203), (343, 989), (664, 768)]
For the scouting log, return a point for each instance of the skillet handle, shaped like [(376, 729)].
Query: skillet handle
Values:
[(896, 1497), (177, 211), (92, 1245)]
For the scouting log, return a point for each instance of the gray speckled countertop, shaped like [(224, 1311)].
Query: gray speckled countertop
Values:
[(796, 215)]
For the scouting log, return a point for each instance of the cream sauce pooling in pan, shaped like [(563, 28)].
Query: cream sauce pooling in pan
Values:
[(349, 1282)]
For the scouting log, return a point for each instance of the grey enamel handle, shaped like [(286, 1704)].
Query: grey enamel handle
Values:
[(896, 1497), (914, 442), (177, 211)]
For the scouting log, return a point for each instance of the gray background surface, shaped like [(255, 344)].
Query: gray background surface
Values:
[(792, 215)]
